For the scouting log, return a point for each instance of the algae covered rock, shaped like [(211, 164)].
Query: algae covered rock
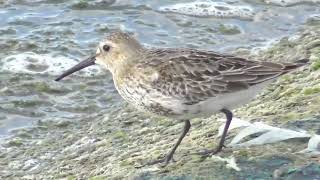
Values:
[(112, 142)]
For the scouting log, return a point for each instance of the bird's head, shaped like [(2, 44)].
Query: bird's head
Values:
[(115, 52)]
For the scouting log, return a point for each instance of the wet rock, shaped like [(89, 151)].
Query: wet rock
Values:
[(30, 165), (228, 29), (63, 123), (313, 20), (15, 142), (81, 4), (310, 171), (90, 146)]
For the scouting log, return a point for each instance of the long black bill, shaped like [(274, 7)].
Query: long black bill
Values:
[(83, 64)]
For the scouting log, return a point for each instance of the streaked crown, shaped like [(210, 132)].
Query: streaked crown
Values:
[(118, 50)]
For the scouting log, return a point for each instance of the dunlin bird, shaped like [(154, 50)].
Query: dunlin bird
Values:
[(182, 83)]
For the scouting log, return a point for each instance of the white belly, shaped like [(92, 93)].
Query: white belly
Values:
[(227, 101), (156, 102), (215, 104)]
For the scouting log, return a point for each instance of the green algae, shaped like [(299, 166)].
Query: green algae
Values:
[(15, 142), (98, 178), (316, 66), (71, 177), (82, 4), (115, 145), (316, 63), (120, 135), (228, 30), (28, 104), (292, 116), (293, 95), (310, 171), (312, 90)]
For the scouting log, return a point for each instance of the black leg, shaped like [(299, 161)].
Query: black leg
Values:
[(225, 130), (169, 156), (223, 137), (186, 128)]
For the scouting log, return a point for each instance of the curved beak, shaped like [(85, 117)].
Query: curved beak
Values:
[(83, 64)]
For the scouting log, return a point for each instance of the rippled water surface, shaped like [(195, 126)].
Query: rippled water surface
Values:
[(39, 39)]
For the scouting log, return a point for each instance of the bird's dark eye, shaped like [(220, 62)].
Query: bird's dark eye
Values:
[(106, 48)]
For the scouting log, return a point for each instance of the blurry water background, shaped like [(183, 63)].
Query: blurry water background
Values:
[(39, 39)]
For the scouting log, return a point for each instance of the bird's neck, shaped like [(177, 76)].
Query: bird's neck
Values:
[(125, 67)]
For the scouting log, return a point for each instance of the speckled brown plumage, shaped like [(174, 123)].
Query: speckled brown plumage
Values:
[(188, 77), (182, 83)]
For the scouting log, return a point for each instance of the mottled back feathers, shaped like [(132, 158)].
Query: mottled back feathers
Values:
[(193, 76)]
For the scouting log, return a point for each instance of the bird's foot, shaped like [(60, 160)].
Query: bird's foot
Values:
[(163, 162), (209, 152)]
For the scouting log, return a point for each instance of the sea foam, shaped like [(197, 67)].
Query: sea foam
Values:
[(208, 8), (32, 63)]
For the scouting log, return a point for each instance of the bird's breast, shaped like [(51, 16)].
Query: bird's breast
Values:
[(144, 96)]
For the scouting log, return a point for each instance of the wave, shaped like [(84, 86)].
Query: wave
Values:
[(206, 8), (32, 63)]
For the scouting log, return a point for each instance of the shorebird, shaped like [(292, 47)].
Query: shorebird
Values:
[(182, 83)]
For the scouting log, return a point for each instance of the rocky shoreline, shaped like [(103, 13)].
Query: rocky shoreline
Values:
[(111, 143)]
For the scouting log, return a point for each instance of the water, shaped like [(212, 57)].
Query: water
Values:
[(40, 39)]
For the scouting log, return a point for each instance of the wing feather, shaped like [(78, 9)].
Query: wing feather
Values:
[(193, 76)]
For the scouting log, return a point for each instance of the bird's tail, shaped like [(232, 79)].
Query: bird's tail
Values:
[(296, 64)]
